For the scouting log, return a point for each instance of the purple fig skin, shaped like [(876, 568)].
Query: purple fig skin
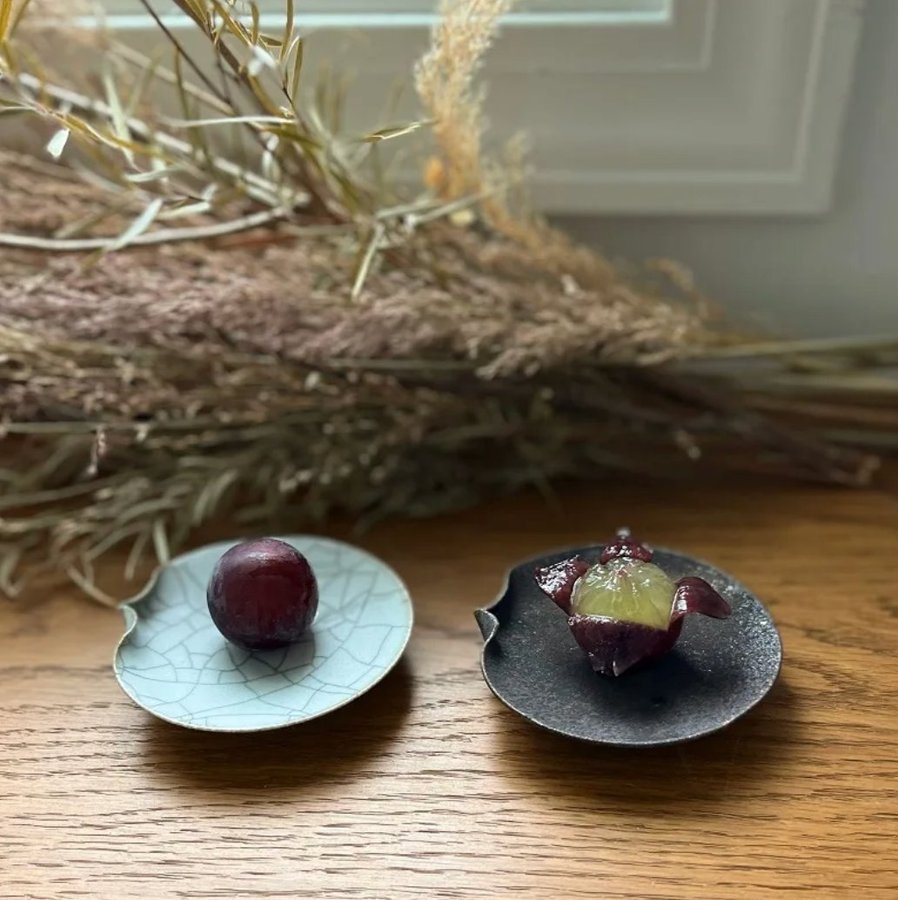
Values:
[(695, 595), (614, 646), (262, 594), (558, 580), (625, 546)]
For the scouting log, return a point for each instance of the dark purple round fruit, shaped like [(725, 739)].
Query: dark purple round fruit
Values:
[(262, 594)]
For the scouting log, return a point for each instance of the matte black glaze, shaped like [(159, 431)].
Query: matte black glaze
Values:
[(718, 670)]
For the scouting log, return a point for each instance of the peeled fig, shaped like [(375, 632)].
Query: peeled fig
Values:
[(624, 610)]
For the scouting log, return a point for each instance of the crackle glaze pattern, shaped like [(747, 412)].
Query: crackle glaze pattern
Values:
[(173, 661)]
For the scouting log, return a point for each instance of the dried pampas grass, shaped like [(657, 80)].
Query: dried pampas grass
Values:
[(281, 336)]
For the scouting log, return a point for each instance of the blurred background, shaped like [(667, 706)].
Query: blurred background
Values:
[(834, 273), (755, 142)]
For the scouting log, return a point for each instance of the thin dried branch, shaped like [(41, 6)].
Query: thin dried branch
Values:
[(256, 187), (138, 237)]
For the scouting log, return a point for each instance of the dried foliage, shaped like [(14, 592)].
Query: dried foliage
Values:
[(445, 79), (287, 335)]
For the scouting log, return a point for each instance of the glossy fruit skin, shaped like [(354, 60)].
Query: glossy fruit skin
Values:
[(262, 594), (615, 646)]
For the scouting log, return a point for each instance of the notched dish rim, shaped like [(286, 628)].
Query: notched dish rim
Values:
[(129, 611), (490, 625)]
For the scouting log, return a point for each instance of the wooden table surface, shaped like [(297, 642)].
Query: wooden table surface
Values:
[(429, 787)]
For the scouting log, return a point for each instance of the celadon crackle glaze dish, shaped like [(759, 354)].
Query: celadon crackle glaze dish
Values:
[(174, 662)]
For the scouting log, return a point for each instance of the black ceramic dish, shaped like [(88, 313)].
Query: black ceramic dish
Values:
[(718, 670)]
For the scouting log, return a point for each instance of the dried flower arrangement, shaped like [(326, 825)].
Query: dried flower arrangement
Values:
[(186, 333)]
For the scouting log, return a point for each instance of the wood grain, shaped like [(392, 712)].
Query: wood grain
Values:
[(429, 787)]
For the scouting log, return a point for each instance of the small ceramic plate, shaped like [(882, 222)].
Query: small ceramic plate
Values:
[(717, 671), (175, 663)]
